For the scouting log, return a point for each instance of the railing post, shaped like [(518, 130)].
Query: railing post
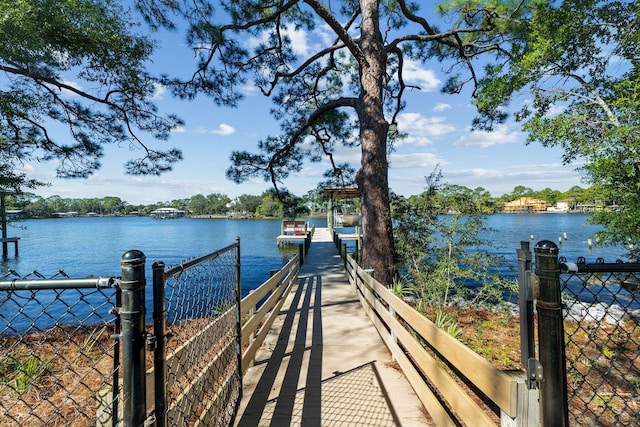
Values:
[(553, 390), (301, 254), (159, 353), (133, 338)]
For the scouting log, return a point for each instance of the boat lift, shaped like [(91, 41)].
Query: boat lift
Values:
[(334, 219)]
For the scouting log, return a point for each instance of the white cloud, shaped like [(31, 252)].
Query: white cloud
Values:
[(484, 139), (72, 84), (158, 91), (441, 107), (222, 130), (502, 180), (415, 160), (426, 79), (419, 129), (249, 89), (179, 129), (299, 40)]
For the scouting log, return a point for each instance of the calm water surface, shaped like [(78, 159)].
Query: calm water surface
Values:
[(93, 246), (83, 247), (510, 229)]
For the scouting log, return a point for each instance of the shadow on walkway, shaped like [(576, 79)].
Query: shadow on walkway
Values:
[(323, 363)]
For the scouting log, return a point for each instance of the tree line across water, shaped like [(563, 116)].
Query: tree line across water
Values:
[(452, 197)]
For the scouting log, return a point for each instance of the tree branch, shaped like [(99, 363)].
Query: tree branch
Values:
[(293, 140), (341, 32)]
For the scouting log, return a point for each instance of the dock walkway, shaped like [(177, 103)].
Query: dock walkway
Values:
[(323, 363)]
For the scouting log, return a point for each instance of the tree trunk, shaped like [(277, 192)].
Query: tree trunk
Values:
[(377, 248)]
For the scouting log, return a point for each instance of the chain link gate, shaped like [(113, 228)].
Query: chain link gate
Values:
[(197, 362), (600, 349)]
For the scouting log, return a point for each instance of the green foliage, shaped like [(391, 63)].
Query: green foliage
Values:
[(281, 204), (270, 207), (46, 44), (448, 322), (401, 287), (442, 252), (18, 372), (576, 63)]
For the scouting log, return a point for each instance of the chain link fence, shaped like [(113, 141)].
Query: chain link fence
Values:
[(56, 349), (202, 382), (602, 339), (107, 351)]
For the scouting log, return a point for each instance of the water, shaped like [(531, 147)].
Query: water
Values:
[(83, 247), (93, 246), (511, 229)]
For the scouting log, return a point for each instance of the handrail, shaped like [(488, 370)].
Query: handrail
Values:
[(256, 324), (402, 329)]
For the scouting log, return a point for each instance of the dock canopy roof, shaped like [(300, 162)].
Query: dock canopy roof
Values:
[(341, 193)]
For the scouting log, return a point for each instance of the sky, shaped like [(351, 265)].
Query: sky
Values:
[(438, 128)]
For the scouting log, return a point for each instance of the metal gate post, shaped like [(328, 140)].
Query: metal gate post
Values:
[(133, 338), (239, 324), (525, 302), (159, 353), (553, 391)]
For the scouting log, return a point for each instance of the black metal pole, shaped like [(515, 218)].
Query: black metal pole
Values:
[(116, 364), (3, 219), (553, 391), (159, 353), (133, 338), (239, 323), (525, 302), (238, 301)]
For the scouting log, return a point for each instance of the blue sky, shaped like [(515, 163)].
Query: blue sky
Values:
[(438, 127)]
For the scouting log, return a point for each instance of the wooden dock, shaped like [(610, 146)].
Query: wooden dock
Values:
[(5, 241), (323, 362), (293, 231)]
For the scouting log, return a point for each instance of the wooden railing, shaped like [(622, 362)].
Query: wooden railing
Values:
[(256, 324), (431, 359)]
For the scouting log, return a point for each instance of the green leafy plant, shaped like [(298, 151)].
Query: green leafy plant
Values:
[(24, 373), (401, 288), (438, 235), (447, 322)]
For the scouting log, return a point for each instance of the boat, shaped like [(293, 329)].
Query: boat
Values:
[(347, 220)]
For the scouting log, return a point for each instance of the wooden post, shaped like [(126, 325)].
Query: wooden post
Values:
[(528, 410)]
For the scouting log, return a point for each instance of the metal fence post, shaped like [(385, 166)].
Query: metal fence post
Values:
[(133, 338), (239, 324), (553, 390), (525, 302), (3, 225), (159, 353)]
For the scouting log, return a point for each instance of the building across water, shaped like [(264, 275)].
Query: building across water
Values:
[(168, 213)]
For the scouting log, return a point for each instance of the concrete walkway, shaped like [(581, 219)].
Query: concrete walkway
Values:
[(323, 363)]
